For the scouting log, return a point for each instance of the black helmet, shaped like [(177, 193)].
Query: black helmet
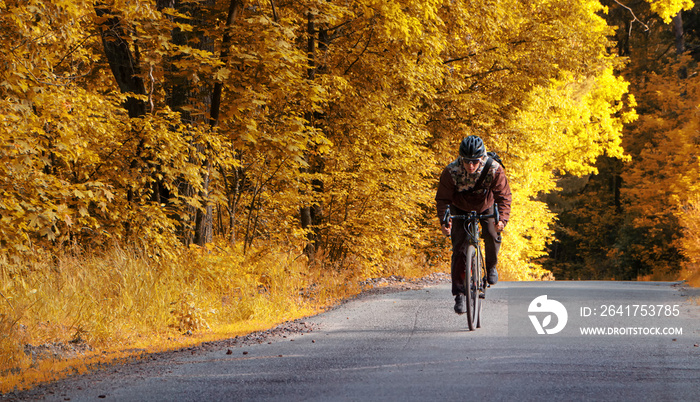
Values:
[(472, 147)]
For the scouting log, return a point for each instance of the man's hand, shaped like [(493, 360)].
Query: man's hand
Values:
[(446, 229), (501, 225)]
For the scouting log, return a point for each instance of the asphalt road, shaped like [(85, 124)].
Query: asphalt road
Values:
[(410, 346)]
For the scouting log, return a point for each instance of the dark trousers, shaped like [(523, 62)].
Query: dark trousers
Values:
[(492, 244)]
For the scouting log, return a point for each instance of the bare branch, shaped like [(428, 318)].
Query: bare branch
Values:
[(274, 11), (363, 51), (646, 27), (73, 50)]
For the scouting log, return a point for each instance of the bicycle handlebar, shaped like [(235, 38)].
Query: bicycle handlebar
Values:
[(448, 216)]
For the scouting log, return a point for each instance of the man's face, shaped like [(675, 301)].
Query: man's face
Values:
[(471, 165)]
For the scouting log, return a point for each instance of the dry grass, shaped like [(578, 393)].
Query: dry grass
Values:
[(62, 315)]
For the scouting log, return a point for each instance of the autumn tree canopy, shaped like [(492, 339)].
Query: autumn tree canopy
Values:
[(311, 124), (637, 217)]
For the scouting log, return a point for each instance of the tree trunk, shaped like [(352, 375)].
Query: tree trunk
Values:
[(306, 211), (311, 215), (203, 227), (123, 62), (199, 230), (678, 32), (680, 43), (234, 10), (126, 70)]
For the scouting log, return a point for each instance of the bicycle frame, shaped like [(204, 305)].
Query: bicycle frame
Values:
[(475, 276)]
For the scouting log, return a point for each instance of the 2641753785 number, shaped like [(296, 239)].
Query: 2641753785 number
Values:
[(639, 310)]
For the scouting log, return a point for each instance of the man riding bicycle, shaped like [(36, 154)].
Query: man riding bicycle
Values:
[(473, 182)]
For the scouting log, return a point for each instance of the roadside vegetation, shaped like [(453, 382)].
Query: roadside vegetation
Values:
[(178, 171), (638, 219), (72, 312)]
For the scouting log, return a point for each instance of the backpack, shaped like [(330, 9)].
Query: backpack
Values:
[(492, 157), (495, 157)]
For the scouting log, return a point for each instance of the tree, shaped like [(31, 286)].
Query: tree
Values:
[(641, 222), (258, 115)]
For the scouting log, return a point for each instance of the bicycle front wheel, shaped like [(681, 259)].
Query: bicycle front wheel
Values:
[(481, 285), (472, 278)]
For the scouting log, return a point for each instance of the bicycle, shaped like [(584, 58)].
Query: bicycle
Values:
[(475, 281)]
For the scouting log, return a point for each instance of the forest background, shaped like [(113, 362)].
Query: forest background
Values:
[(175, 171)]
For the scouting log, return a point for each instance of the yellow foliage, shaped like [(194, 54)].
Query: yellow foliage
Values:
[(667, 9), (661, 182), (106, 303), (355, 126), (689, 217), (348, 110)]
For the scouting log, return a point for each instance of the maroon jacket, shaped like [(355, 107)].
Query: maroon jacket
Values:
[(457, 187)]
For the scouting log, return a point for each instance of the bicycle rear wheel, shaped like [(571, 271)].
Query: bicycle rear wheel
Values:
[(471, 288)]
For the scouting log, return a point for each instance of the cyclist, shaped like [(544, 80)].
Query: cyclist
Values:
[(462, 187)]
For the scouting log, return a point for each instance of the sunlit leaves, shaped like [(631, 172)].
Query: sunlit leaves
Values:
[(667, 9), (632, 220), (350, 108), (535, 80), (663, 179)]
